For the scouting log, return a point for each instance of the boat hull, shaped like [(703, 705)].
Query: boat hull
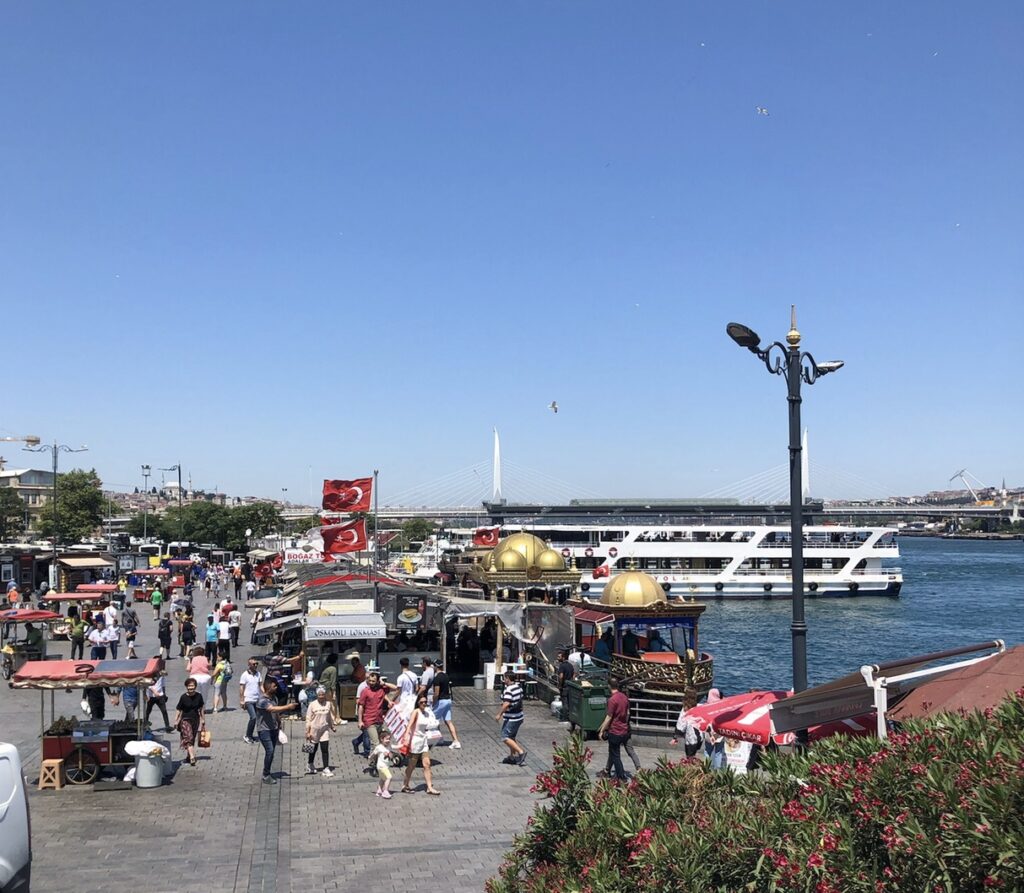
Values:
[(668, 679)]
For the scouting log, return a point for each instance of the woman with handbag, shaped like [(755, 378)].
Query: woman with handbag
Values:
[(319, 725), (221, 677), (190, 720), (420, 733)]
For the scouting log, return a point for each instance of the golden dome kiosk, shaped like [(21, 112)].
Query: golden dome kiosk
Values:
[(643, 637), (522, 566)]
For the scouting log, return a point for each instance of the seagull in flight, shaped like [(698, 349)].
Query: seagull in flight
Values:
[(761, 110), (553, 406)]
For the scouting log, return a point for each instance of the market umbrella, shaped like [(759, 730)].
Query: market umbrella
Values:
[(28, 615), (704, 715), (752, 721), (862, 726)]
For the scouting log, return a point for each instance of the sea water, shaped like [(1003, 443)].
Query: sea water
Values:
[(955, 592)]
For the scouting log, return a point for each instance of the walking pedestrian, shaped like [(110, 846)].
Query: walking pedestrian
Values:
[(511, 718), (257, 615), (237, 579), (221, 678), (130, 699), (319, 725), (112, 636), (426, 686), (268, 726), (234, 624), (615, 727), (190, 718), (381, 762), (250, 589), (416, 744), (443, 704), (248, 695), (164, 632), (329, 680), (198, 668), (208, 585), (76, 634), (156, 696), (130, 624), (97, 640), (371, 707), (186, 634), (156, 599), (224, 638), (362, 740), (211, 633)]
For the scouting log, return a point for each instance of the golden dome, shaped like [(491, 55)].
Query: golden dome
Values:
[(509, 560), (550, 560), (633, 589), (526, 544)]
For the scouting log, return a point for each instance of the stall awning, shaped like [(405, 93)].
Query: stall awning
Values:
[(345, 626), (278, 623), (287, 605), (259, 554), (260, 603), (585, 615), (96, 587), (85, 562), (87, 673)]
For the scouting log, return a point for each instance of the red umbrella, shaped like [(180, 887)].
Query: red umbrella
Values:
[(704, 715), (862, 726), (28, 615), (752, 721)]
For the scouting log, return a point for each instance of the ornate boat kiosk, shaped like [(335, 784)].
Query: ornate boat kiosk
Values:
[(652, 644)]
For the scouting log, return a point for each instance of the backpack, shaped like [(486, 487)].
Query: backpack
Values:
[(227, 672)]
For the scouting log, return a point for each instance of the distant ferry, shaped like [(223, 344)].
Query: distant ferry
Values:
[(742, 561)]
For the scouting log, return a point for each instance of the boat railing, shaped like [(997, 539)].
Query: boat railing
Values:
[(656, 714), (823, 544), (878, 571)]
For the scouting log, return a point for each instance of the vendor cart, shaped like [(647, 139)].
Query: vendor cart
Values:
[(85, 602), (150, 576), (18, 651), (109, 590), (87, 746)]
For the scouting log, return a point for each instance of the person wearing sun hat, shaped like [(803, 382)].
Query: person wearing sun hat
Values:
[(358, 670)]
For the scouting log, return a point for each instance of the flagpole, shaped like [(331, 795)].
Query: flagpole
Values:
[(376, 526)]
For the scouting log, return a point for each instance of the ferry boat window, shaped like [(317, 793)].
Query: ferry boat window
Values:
[(613, 536)]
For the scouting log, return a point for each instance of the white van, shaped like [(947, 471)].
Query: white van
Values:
[(15, 829)]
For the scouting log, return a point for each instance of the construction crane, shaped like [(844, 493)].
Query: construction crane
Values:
[(963, 474)]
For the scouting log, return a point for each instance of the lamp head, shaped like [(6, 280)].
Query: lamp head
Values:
[(743, 336), (830, 366)]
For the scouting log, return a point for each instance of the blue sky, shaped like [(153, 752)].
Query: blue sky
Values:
[(280, 240)]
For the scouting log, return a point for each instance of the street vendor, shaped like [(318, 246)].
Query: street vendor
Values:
[(33, 638)]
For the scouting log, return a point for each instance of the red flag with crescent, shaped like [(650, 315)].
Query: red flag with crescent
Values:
[(340, 538), (602, 571), (486, 536), (348, 496)]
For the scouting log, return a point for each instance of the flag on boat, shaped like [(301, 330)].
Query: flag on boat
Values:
[(341, 538), (602, 571), (348, 496), (486, 536)]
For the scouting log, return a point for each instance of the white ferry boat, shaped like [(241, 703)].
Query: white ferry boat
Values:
[(716, 561)]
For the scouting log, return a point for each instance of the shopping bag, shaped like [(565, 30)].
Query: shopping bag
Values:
[(282, 738), (205, 738)]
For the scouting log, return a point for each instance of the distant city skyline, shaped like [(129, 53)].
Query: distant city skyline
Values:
[(279, 245)]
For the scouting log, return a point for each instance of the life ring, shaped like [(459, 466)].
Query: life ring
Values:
[(613, 551), (588, 552), (767, 587), (666, 586), (813, 587), (584, 587), (566, 553), (854, 587), (719, 587)]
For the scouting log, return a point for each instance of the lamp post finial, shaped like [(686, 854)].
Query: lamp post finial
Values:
[(793, 336)]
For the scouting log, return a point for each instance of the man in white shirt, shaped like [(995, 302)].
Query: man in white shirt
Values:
[(248, 695), (97, 640), (110, 615), (224, 638), (406, 683), (235, 624), (112, 637), (250, 589)]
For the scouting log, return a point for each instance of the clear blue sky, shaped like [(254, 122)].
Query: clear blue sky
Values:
[(262, 237)]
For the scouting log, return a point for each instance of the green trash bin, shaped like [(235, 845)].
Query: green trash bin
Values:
[(585, 703)]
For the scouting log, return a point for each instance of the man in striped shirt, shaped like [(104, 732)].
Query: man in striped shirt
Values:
[(511, 718)]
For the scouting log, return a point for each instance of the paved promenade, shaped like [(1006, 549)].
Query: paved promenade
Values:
[(215, 827)]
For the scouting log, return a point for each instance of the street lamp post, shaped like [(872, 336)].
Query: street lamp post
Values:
[(54, 448), (797, 366), (181, 520), (146, 471)]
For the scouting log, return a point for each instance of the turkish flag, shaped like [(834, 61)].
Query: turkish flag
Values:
[(348, 496), (340, 538), (486, 536), (602, 571)]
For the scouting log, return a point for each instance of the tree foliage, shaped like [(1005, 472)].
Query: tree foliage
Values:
[(417, 529), (79, 507), (207, 522), (12, 514)]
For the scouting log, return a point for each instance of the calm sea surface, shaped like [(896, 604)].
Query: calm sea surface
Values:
[(955, 592)]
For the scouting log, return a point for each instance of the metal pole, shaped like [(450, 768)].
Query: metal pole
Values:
[(799, 625), (56, 524), (181, 524), (376, 543)]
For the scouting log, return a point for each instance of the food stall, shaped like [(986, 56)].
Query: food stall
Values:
[(84, 603), (86, 746), (145, 580), (344, 633), (17, 652)]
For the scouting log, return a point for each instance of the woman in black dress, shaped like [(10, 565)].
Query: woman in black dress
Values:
[(190, 719)]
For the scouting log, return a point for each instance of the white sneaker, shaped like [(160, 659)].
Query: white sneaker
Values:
[(327, 773), (248, 740), (342, 722), (455, 745)]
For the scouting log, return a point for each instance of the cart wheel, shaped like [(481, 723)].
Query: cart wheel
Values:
[(7, 667), (81, 767)]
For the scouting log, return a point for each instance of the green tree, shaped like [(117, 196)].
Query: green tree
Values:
[(259, 517), (417, 529), (301, 525), (80, 505), (12, 514)]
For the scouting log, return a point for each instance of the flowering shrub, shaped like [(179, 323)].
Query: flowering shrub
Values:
[(937, 808)]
